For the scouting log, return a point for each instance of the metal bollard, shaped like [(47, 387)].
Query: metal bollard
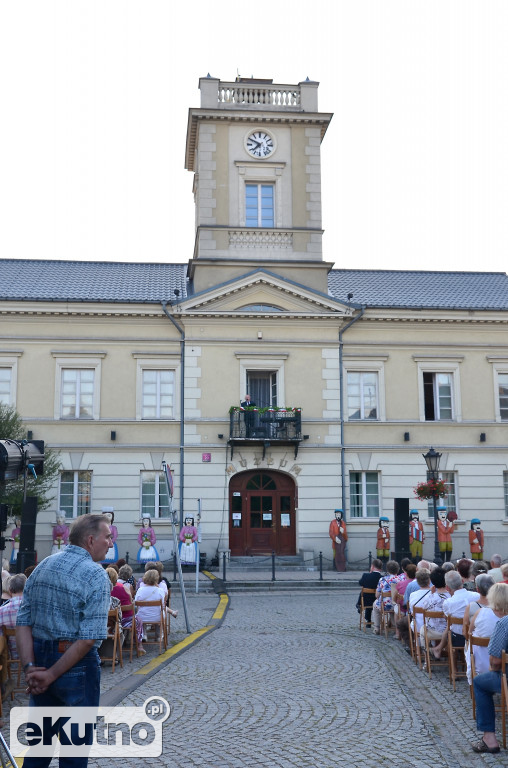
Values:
[(320, 566), (174, 567), (127, 558), (273, 565), (370, 560), (223, 566)]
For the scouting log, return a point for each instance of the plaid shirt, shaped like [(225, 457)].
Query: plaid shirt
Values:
[(67, 598), (499, 640), (8, 615)]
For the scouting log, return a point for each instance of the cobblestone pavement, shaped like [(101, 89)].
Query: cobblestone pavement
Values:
[(288, 681)]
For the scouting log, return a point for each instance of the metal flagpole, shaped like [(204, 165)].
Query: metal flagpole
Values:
[(169, 484)]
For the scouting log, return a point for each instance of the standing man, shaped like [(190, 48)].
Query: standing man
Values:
[(338, 534), (62, 621), (416, 535), (476, 539), (445, 529), (248, 417), (369, 580)]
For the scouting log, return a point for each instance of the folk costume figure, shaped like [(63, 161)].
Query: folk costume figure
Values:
[(383, 540), (188, 538), (146, 540), (416, 535), (476, 539), (338, 535), (15, 535), (445, 529), (60, 533), (112, 553)]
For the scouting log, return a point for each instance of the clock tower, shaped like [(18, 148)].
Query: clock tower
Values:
[(254, 148)]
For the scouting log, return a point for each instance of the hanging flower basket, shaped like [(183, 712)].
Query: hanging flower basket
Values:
[(431, 489)]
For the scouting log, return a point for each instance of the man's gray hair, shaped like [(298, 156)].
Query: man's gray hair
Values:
[(85, 526), (16, 583), (453, 580), (496, 561)]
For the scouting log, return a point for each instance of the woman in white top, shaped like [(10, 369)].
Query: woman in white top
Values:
[(150, 591), (483, 623)]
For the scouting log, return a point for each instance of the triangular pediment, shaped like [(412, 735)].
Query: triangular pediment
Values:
[(263, 293)]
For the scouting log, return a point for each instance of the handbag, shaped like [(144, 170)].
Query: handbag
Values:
[(458, 640)]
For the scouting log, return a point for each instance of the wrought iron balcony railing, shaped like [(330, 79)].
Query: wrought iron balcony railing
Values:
[(266, 426)]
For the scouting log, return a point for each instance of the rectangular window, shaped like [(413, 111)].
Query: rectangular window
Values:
[(154, 495), (362, 389), (158, 394), (77, 393), (262, 388), (502, 379), (259, 207), (75, 493), (364, 494), (438, 396), (505, 478), (5, 386), (450, 502)]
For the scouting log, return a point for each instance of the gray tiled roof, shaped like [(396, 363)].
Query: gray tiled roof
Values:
[(37, 280), (421, 290)]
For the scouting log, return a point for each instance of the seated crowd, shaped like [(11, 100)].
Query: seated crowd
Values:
[(124, 594), (469, 591)]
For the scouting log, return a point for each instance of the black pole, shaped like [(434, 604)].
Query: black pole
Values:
[(273, 566), (174, 566), (127, 558), (224, 566), (370, 560), (437, 554), (320, 566)]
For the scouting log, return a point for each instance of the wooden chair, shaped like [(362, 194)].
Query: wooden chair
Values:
[(455, 654), (478, 642), (168, 615), (363, 621), (387, 615), (411, 634), (13, 665), (132, 628), (155, 626), (417, 611), (429, 659), (115, 637)]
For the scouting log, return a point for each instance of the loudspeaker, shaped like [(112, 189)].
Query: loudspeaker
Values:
[(401, 514), (28, 521), (25, 559)]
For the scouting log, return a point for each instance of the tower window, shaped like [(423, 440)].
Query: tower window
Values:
[(259, 210)]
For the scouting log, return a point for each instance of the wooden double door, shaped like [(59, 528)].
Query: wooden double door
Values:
[(262, 514)]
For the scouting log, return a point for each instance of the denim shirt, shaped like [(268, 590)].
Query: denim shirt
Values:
[(67, 598)]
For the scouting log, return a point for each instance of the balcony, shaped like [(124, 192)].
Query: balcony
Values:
[(265, 426)]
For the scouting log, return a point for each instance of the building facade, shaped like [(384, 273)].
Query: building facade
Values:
[(354, 373)]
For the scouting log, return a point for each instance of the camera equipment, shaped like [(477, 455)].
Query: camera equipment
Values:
[(19, 456)]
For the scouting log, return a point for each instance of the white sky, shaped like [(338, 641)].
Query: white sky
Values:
[(93, 115)]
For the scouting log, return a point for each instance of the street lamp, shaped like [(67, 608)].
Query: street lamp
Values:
[(432, 459)]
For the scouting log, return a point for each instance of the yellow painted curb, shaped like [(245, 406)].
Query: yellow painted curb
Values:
[(223, 604), (154, 663)]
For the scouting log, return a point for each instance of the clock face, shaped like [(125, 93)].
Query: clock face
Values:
[(260, 144)]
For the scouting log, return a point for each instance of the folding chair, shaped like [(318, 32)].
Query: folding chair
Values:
[(363, 621), (130, 628), (386, 615), (13, 665), (478, 642), (417, 611), (153, 625), (455, 654), (114, 637), (429, 659)]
